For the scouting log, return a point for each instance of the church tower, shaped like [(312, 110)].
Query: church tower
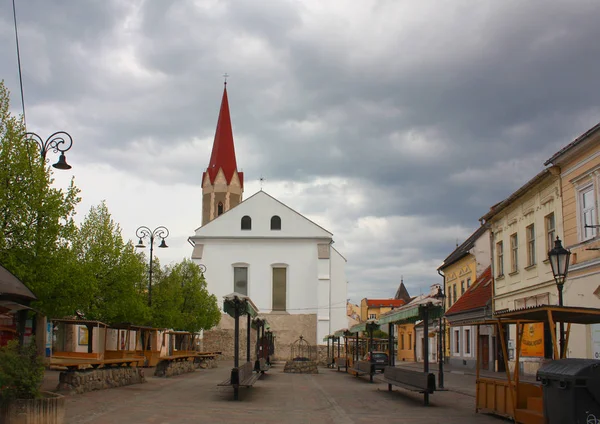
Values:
[(222, 184)]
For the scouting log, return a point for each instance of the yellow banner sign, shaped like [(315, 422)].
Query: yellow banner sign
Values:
[(532, 343)]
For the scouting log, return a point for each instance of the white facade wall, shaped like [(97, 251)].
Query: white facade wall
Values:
[(315, 278)]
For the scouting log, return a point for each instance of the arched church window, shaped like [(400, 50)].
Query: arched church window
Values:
[(220, 209), (275, 223), (246, 223)]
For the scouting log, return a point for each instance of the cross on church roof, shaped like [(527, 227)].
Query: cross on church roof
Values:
[(225, 76)]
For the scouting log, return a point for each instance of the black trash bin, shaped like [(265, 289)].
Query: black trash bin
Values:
[(571, 391)]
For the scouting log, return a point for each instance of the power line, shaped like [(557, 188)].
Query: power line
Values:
[(19, 62)]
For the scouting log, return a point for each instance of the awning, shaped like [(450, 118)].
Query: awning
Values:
[(341, 333), (360, 327), (411, 314), (247, 306)]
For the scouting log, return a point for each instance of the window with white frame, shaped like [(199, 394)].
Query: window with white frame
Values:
[(468, 282), (587, 212), (462, 287), (279, 289), (240, 280), (467, 341), (454, 292), (457, 341), (530, 233), (372, 316), (550, 231), (514, 253), (500, 258)]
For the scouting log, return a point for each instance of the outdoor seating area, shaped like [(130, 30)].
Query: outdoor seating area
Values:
[(247, 373)]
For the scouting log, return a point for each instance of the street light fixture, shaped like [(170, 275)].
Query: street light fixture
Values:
[(60, 141), (145, 232), (442, 332), (559, 261)]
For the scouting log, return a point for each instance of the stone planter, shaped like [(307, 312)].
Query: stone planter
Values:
[(49, 409)]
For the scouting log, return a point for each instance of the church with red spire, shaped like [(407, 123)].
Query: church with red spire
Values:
[(222, 184), (262, 248)]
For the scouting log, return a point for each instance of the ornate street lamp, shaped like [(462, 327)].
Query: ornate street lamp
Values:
[(145, 232), (442, 332), (60, 141), (559, 261)]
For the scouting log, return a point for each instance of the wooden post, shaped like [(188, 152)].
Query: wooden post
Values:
[(249, 324), (426, 348), (567, 340), (391, 359), (553, 334), (338, 367), (477, 367)]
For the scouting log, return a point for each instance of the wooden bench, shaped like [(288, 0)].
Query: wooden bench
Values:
[(243, 376), (261, 365), (74, 364), (413, 380), (362, 368)]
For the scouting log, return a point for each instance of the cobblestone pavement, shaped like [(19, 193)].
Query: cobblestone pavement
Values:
[(329, 397)]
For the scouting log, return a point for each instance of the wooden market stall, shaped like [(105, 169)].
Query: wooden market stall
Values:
[(512, 397), (128, 340)]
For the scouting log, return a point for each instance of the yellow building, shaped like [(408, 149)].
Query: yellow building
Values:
[(373, 308), (406, 342), (460, 269), (579, 165), (522, 227)]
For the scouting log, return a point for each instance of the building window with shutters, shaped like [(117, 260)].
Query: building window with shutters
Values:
[(550, 231), (457, 341), (530, 231), (587, 212), (500, 259), (514, 253), (279, 288), (240, 280)]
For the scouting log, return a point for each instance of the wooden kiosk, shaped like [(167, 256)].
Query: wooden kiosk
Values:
[(133, 341), (522, 401), (81, 343)]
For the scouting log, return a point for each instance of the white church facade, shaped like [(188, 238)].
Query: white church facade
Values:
[(262, 248)]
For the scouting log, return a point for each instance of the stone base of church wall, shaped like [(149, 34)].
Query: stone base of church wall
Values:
[(286, 328)]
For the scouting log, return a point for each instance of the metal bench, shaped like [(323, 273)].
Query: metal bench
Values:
[(362, 368), (341, 362), (413, 380), (243, 376), (261, 365)]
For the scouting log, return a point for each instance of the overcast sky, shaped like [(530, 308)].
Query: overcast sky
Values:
[(393, 124)]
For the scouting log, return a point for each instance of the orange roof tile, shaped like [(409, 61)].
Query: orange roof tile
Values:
[(476, 296)]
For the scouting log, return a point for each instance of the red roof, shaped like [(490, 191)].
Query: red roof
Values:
[(223, 152), (385, 302), (476, 296)]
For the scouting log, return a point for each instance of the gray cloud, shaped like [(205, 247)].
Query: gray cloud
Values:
[(386, 111)]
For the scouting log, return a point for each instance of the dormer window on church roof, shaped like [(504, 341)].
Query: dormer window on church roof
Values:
[(275, 223), (246, 223)]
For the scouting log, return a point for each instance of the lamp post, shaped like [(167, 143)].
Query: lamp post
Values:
[(145, 232), (442, 330), (559, 261), (60, 141)]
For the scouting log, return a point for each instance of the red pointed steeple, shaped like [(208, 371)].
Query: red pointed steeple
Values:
[(223, 152)]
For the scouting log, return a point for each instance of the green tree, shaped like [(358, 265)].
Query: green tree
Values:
[(181, 301), (114, 273), (36, 219)]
